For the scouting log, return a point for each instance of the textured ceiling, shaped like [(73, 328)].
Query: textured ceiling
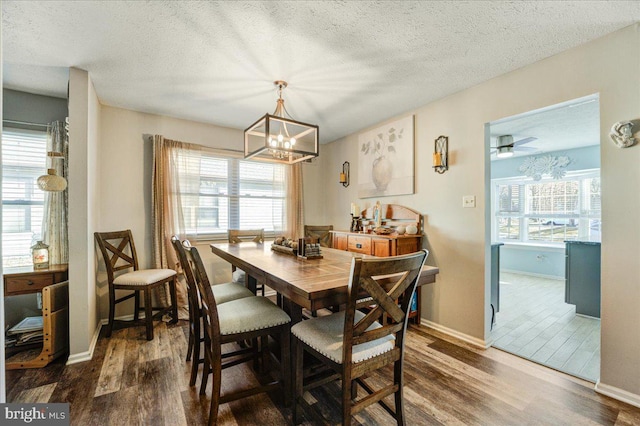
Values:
[(565, 126), (349, 64)]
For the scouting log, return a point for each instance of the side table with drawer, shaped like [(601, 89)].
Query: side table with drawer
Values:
[(55, 302)]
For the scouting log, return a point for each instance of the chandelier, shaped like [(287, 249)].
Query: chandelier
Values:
[(279, 139)]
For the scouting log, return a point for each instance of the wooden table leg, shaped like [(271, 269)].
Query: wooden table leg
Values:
[(252, 283), (294, 310)]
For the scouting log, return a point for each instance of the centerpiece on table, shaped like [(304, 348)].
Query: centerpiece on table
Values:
[(285, 245)]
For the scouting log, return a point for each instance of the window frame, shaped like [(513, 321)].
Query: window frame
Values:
[(234, 197), (582, 218)]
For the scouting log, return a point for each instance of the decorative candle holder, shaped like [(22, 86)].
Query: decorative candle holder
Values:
[(441, 154), (344, 176), (356, 224)]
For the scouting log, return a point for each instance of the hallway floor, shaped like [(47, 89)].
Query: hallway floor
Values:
[(536, 324)]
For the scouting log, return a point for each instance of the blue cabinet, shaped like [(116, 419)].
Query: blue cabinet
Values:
[(582, 273)]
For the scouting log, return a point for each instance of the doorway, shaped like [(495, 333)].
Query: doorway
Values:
[(545, 205)]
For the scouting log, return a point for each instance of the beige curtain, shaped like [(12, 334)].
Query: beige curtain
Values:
[(295, 202), (56, 204), (167, 216)]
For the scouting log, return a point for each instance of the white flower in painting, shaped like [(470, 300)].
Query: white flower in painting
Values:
[(563, 161)]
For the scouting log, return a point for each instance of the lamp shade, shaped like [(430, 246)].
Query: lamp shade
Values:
[(51, 182), (278, 139), (282, 140)]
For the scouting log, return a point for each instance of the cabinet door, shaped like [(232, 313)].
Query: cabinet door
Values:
[(583, 277), (340, 242), (381, 247), (358, 244), (408, 245)]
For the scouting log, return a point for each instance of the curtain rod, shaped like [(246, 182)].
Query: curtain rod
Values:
[(208, 148), (25, 123)]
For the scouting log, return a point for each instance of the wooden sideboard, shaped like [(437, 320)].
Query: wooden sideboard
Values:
[(393, 215), (55, 312), (376, 245)]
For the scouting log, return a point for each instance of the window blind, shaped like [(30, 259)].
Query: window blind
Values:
[(24, 155), (220, 193)]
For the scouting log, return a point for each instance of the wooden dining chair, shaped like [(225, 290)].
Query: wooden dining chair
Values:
[(320, 233), (352, 343), (238, 321), (225, 292), (119, 253), (236, 236)]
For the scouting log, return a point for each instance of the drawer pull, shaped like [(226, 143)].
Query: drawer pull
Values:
[(358, 245), (30, 282)]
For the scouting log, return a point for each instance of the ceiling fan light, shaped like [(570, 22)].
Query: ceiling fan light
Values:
[(505, 151)]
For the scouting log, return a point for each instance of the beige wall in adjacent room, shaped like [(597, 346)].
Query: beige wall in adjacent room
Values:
[(457, 237)]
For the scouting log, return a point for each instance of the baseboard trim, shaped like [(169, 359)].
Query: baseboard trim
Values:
[(619, 394), (533, 274), (129, 317), (454, 333), (88, 355)]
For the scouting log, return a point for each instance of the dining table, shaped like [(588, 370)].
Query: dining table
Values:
[(303, 283)]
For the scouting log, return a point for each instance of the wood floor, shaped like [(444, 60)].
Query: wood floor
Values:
[(131, 381), (535, 323)]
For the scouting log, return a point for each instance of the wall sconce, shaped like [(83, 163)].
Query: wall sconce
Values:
[(344, 176), (441, 154)]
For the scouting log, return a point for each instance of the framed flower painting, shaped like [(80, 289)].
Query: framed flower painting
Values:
[(385, 160)]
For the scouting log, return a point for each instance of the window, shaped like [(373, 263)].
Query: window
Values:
[(548, 211), (220, 193), (24, 154)]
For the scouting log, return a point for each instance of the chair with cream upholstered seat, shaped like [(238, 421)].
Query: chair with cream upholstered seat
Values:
[(352, 343), (225, 292), (119, 253), (246, 319)]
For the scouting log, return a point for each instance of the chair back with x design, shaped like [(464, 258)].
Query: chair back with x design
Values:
[(390, 284), (118, 251)]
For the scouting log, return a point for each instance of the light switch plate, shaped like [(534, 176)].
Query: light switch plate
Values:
[(468, 201)]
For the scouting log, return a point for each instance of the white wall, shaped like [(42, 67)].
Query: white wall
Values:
[(457, 237), (84, 128)]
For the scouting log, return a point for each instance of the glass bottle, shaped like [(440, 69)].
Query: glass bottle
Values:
[(40, 255)]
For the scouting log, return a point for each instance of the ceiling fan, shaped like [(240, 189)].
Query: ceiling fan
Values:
[(506, 145)]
